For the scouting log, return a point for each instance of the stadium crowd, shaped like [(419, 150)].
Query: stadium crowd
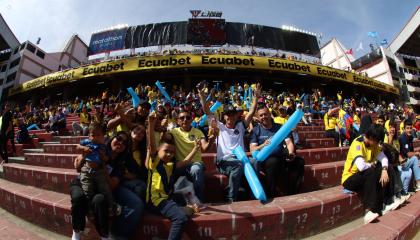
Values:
[(136, 158)]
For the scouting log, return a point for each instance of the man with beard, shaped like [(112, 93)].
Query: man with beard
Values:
[(185, 137), (281, 161)]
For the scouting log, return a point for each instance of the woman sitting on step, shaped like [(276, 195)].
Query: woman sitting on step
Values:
[(123, 226)]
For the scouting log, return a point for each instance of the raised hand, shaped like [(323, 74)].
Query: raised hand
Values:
[(257, 92)]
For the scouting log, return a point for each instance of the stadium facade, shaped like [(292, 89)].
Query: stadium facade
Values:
[(214, 49)]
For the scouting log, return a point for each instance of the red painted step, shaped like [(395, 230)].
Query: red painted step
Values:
[(71, 139), (319, 176), (60, 148), (285, 217), (320, 143), (323, 175), (403, 223), (311, 134), (50, 160), (310, 128)]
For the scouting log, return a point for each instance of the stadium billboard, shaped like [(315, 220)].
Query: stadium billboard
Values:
[(107, 41)]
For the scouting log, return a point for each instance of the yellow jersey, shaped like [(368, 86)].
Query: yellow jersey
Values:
[(159, 181), (85, 118), (356, 119), (185, 142), (280, 120), (358, 149), (330, 122)]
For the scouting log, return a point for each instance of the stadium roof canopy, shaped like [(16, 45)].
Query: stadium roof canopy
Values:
[(407, 41), (8, 40)]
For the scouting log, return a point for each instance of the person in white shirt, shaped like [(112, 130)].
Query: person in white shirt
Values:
[(231, 135)]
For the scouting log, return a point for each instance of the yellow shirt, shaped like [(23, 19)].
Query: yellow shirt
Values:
[(155, 192), (330, 122), (184, 143), (356, 119), (151, 96), (137, 157), (280, 120), (84, 118), (401, 127), (358, 149), (387, 125)]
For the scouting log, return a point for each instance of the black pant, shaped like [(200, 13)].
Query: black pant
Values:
[(3, 147), (289, 173), (80, 205), (333, 134), (368, 182)]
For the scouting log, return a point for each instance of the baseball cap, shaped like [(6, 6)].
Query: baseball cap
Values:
[(229, 109)]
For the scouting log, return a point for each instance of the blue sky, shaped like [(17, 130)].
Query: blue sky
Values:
[(349, 21)]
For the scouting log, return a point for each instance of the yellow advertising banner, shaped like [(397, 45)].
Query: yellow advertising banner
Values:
[(201, 61)]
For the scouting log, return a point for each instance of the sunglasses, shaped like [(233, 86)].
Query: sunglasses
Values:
[(121, 139), (185, 118)]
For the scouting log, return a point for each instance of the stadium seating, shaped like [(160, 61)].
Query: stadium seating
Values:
[(35, 187)]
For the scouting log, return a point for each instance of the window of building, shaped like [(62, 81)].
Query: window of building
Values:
[(3, 68), (410, 62), (40, 54), (30, 47), (1, 81), (22, 46), (11, 77), (15, 51), (401, 70), (14, 63)]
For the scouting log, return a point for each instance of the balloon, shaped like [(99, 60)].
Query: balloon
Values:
[(202, 120), (302, 97), (250, 175), (215, 106), (279, 136), (136, 99), (232, 90), (213, 109), (32, 127), (355, 127), (81, 105), (163, 91), (153, 105), (250, 93)]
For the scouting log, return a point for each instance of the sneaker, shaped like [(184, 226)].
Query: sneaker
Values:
[(369, 217), (390, 207), (75, 236), (405, 197)]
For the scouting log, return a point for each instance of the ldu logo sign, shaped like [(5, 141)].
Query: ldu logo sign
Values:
[(195, 13), (205, 14)]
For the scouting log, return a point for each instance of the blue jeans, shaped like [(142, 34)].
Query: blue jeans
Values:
[(124, 225), (170, 210), (195, 173), (137, 186), (413, 163), (405, 178), (234, 169)]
